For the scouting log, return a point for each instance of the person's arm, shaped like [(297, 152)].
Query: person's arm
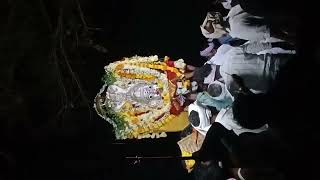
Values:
[(192, 96), (240, 83), (188, 75), (255, 47), (191, 68)]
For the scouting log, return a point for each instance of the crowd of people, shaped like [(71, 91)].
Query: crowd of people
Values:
[(244, 53)]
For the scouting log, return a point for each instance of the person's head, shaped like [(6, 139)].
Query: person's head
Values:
[(214, 90), (208, 170), (194, 118), (212, 27), (216, 96), (250, 110), (199, 117)]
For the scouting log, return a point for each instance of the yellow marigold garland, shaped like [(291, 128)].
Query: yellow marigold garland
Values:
[(159, 66), (139, 128)]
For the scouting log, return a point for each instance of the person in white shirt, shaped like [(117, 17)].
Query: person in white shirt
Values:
[(239, 27), (218, 71), (217, 96), (252, 61), (199, 117), (224, 126)]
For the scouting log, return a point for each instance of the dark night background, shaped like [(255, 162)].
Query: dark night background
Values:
[(52, 62), (49, 129)]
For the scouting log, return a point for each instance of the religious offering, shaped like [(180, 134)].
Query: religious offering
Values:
[(144, 97)]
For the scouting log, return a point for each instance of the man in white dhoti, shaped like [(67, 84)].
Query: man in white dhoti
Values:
[(251, 61)]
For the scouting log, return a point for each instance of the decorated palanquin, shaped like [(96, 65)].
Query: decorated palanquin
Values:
[(144, 97)]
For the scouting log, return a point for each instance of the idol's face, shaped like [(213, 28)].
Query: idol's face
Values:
[(150, 92), (147, 93)]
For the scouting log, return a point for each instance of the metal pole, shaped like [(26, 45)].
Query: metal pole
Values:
[(160, 157)]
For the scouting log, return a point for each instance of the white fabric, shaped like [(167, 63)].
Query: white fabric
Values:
[(210, 78), (257, 71), (276, 50), (239, 175), (219, 57), (227, 4), (218, 29), (225, 118), (204, 115), (267, 48), (238, 28), (264, 48), (255, 47)]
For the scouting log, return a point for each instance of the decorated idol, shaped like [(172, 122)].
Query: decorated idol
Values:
[(144, 97)]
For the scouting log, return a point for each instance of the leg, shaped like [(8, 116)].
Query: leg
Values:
[(212, 147)]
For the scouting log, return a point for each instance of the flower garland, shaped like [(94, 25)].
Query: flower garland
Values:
[(143, 122), (146, 122), (160, 66), (134, 59)]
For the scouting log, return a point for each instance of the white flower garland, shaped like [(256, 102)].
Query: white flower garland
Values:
[(134, 59), (145, 121)]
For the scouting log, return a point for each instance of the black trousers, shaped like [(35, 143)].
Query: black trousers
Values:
[(213, 147), (247, 150)]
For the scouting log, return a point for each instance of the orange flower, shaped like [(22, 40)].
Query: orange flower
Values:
[(119, 67), (141, 130), (134, 120)]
